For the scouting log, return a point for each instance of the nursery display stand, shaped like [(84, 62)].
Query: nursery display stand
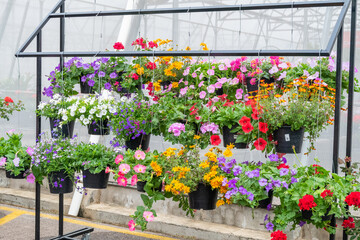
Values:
[(337, 34)]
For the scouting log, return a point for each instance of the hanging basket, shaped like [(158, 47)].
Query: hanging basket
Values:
[(203, 198), (141, 184), (98, 180), (253, 88), (307, 214), (66, 130), (21, 175), (286, 139), (85, 88), (143, 141), (230, 137), (99, 127), (265, 202), (60, 182)]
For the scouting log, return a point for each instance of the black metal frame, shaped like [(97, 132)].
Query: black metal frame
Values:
[(336, 35)]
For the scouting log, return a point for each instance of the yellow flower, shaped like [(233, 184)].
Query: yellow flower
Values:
[(187, 48), (220, 202), (167, 59), (175, 84), (168, 72), (157, 86), (177, 65), (211, 156), (170, 49), (140, 71), (156, 167), (230, 146), (228, 153), (192, 146), (137, 66), (181, 152), (205, 48), (196, 137), (205, 164)]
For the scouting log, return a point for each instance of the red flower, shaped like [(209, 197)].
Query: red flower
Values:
[(316, 171), (263, 127), (325, 193), (223, 97), (244, 120), (150, 65), (134, 76), (278, 235), (349, 223), (307, 202), (118, 46), (255, 115), (228, 104), (156, 98), (152, 44), (353, 199), (215, 140), (247, 128), (260, 144), (198, 117), (283, 165)]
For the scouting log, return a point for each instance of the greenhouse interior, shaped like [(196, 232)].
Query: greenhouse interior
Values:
[(179, 119)]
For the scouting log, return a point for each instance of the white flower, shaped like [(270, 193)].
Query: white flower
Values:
[(72, 113), (103, 112), (42, 105), (82, 117), (65, 117), (82, 109), (86, 121), (99, 115)]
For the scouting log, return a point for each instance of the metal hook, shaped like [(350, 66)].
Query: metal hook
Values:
[(98, 13)]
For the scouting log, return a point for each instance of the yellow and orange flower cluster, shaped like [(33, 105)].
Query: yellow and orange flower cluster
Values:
[(156, 167)]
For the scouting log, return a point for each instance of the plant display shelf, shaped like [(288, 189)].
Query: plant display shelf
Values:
[(337, 35)]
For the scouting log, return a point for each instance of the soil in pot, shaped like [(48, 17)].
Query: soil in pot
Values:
[(265, 202), (9, 174), (99, 128), (203, 198), (66, 130), (286, 139), (98, 180), (143, 141), (60, 182)]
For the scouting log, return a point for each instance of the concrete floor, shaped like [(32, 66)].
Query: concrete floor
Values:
[(19, 223)]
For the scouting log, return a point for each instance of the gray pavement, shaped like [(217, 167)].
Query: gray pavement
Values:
[(18, 224)]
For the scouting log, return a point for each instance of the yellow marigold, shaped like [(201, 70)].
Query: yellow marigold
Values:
[(205, 48), (136, 66), (223, 189), (211, 156), (230, 146), (140, 71), (208, 176), (157, 40), (228, 153), (205, 164), (228, 201), (177, 65), (175, 84), (168, 72), (214, 168), (216, 182), (181, 152), (157, 86), (156, 168), (170, 49), (220, 202), (168, 188), (196, 137), (192, 146), (167, 59), (277, 95)]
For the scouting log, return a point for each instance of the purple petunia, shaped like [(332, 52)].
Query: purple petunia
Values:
[(101, 74), (107, 86), (293, 172), (268, 207), (285, 185), (273, 157), (242, 190), (266, 217), (237, 170), (113, 75), (232, 183), (284, 160), (270, 226), (293, 180), (269, 187), (284, 171), (276, 183), (302, 223), (91, 82), (263, 182), (250, 196)]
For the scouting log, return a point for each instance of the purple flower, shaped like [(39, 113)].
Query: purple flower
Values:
[(273, 157), (293, 172), (113, 75), (48, 91), (78, 64), (221, 160), (263, 182), (86, 66), (284, 160), (246, 163), (224, 182), (101, 74), (242, 190), (259, 163), (302, 223), (96, 67), (250, 196), (237, 170), (270, 226), (269, 187), (268, 207), (16, 161), (209, 127), (293, 180), (83, 79), (232, 183), (250, 174), (256, 172), (56, 184), (266, 217), (285, 185), (91, 82), (276, 183), (107, 86), (284, 171)]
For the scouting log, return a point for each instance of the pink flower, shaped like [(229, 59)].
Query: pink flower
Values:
[(139, 155), (222, 80), (253, 81), (30, 151), (218, 85), (201, 76), (124, 168), (186, 71), (243, 68), (283, 65), (183, 90), (200, 84), (107, 170), (131, 225), (30, 178), (215, 99), (211, 72), (198, 117), (16, 161), (238, 96), (194, 75), (134, 180), (149, 216), (202, 94), (177, 128), (122, 181), (140, 168), (11, 131), (222, 67), (2, 161), (192, 86), (274, 69), (282, 75), (211, 88), (119, 158)]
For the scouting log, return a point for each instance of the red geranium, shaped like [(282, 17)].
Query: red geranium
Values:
[(325, 193), (150, 65), (228, 104), (260, 144), (316, 170), (8, 100), (348, 223), (353, 199), (255, 115), (263, 127), (278, 235), (118, 46), (247, 128), (283, 165), (152, 44), (134, 76), (215, 140), (307, 202), (223, 97), (244, 120)]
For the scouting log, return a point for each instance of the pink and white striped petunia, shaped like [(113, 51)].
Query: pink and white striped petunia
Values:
[(140, 168), (119, 158), (131, 225), (139, 155), (124, 168), (134, 180), (122, 181), (149, 216)]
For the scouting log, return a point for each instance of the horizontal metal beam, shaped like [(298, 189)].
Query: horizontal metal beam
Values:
[(212, 53), (243, 7)]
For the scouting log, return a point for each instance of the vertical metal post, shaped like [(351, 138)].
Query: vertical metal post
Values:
[(38, 131), (337, 112), (351, 89), (62, 46)]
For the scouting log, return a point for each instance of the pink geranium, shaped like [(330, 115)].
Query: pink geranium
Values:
[(124, 168), (139, 155), (30, 178), (131, 225), (134, 180), (119, 158), (149, 216), (122, 181), (140, 168)]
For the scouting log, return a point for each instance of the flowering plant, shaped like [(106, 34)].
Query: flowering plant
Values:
[(13, 155), (57, 108), (7, 107), (94, 157)]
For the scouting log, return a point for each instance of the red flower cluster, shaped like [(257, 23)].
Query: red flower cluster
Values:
[(246, 125), (193, 110), (307, 202), (150, 65), (316, 170), (140, 42), (260, 144), (118, 46), (244, 120), (353, 199), (263, 127), (8, 100), (349, 223), (283, 165), (325, 193), (153, 44), (134, 76), (278, 235), (215, 140)]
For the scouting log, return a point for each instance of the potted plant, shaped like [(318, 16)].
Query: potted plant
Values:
[(8, 106), (62, 120), (14, 156), (54, 159), (95, 162)]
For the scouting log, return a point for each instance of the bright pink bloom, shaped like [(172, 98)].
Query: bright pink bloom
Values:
[(131, 225), (124, 168), (149, 216), (118, 46), (139, 155), (107, 170), (140, 168), (202, 94), (119, 158), (2, 161), (122, 181), (134, 180), (30, 151), (30, 178)]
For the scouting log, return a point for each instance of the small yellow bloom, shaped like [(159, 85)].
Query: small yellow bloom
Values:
[(192, 146), (230, 146), (175, 84), (187, 48), (228, 153), (196, 137), (220, 202), (205, 48), (137, 66), (157, 87), (140, 71)]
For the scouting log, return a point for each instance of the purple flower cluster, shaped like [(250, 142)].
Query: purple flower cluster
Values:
[(177, 128), (209, 127), (253, 173)]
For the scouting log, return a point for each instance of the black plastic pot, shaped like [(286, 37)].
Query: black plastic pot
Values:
[(265, 202), (219, 91), (307, 214), (99, 180), (125, 90), (143, 140), (165, 84), (85, 88), (230, 137), (10, 175), (60, 182), (252, 89), (203, 198), (140, 186), (66, 130), (286, 139), (99, 128)]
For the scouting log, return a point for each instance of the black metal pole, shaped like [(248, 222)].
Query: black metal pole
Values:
[(337, 113), (62, 46), (37, 132), (351, 90)]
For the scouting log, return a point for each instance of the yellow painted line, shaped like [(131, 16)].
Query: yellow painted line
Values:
[(11, 216), (89, 224)]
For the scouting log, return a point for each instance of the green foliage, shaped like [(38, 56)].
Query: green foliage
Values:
[(7, 107)]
